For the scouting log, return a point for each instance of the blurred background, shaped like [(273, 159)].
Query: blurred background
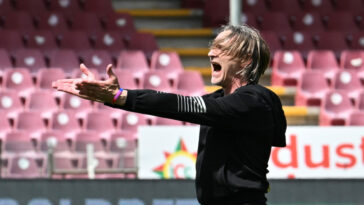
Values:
[(60, 149)]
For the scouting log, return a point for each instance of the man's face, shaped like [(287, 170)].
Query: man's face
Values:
[(223, 66)]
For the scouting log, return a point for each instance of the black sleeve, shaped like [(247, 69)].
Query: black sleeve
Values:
[(240, 109)]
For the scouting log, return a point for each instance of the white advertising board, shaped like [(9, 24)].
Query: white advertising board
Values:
[(311, 152)]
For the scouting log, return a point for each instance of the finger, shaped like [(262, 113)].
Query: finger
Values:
[(86, 71), (110, 72)]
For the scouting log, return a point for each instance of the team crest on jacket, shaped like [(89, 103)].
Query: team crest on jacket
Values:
[(178, 165)]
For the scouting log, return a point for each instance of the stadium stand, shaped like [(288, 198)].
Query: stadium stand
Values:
[(316, 55)]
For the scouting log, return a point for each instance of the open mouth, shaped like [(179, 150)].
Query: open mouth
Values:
[(216, 66)]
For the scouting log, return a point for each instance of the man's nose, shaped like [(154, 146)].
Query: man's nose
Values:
[(212, 53)]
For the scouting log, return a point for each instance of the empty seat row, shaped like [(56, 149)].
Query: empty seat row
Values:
[(214, 17), (288, 65), (65, 6)]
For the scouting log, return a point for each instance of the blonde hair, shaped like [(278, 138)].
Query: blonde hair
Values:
[(245, 44)]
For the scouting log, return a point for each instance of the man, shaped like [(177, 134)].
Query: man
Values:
[(239, 123)]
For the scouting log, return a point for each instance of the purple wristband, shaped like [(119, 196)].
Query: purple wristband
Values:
[(117, 95)]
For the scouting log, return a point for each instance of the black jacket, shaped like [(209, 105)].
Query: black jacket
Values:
[(236, 135)]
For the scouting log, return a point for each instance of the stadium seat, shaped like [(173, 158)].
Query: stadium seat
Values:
[(145, 42), (357, 40), (193, 4), (273, 21), (112, 41), (249, 18), (311, 89), (334, 40), (307, 21), (66, 161), (168, 62), (122, 23), (78, 41), (5, 125), (5, 61), (273, 40), (34, 7), (356, 118), (6, 6), (99, 122), (286, 6), (348, 81), (66, 7), (10, 103), (101, 8), (11, 41), (41, 101), (43, 40), (30, 122), (190, 83), (335, 108), (359, 102), (82, 139), (215, 17), (352, 6), (65, 59), (53, 21), (97, 59), (167, 122), (18, 80), (287, 68), (126, 78), (135, 61), (353, 59), (26, 166), (86, 22), (257, 7), (130, 121), (323, 61), (20, 21), (298, 40), (76, 104), (18, 142), (341, 21), (45, 77), (32, 59), (157, 80), (55, 140), (320, 6), (64, 121)]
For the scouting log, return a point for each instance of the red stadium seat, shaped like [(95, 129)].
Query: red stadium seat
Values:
[(18, 80), (10, 103), (43, 40), (357, 40), (168, 62), (311, 88), (21, 21), (54, 21), (123, 23), (6, 6), (10, 40), (334, 40), (130, 122), (190, 83), (249, 19), (126, 78), (352, 6), (86, 22), (55, 140), (286, 6), (112, 41), (348, 81), (356, 118), (353, 59), (256, 7), (101, 8), (77, 41), (99, 122), (34, 7), (32, 59), (30, 122), (335, 108), (320, 6), (17, 142), (97, 59), (307, 21), (167, 122), (65, 59), (5, 61), (215, 17), (41, 101), (274, 21), (82, 139), (26, 166), (359, 102), (157, 80), (64, 121), (45, 77), (298, 40), (273, 40), (341, 21), (145, 42), (287, 68), (134, 61), (323, 61), (78, 105), (66, 7)]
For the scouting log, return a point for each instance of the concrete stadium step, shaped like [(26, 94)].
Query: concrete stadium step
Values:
[(146, 4)]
